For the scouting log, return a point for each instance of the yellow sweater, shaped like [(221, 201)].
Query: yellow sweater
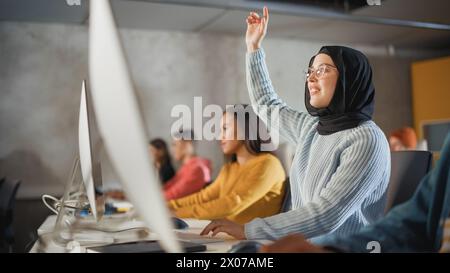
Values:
[(240, 193)]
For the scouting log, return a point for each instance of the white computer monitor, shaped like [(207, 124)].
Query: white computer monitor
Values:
[(121, 125), (88, 145)]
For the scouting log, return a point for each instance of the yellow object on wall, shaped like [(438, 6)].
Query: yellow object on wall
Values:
[(430, 91)]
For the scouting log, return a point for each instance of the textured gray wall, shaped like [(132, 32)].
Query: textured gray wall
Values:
[(42, 66), (40, 73), (392, 79)]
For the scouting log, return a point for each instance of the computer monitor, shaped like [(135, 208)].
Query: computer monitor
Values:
[(89, 148), (434, 132), (121, 125)]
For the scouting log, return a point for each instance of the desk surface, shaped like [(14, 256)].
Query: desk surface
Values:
[(195, 227)]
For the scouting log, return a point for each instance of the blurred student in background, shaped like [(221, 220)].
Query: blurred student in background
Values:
[(194, 173), (161, 159), (162, 162), (403, 139), (250, 185)]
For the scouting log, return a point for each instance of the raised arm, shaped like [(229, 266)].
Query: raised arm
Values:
[(266, 103)]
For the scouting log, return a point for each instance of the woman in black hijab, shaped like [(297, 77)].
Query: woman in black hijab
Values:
[(340, 171), (353, 99)]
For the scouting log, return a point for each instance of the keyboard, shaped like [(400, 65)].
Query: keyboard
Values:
[(196, 238)]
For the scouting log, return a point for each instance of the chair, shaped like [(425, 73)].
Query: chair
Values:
[(1, 181), (286, 205), (407, 170), (8, 191)]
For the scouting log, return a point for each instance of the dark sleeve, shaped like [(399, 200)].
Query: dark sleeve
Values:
[(414, 226)]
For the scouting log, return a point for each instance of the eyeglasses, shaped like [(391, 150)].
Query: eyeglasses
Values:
[(319, 72)]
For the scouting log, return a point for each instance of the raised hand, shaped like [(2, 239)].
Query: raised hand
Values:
[(256, 29)]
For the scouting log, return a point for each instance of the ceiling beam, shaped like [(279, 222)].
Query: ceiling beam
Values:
[(305, 11)]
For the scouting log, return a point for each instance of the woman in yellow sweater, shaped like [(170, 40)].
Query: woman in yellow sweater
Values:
[(250, 186)]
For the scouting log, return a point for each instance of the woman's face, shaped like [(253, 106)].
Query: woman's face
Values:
[(322, 81), (180, 148), (228, 135), (157, 154)]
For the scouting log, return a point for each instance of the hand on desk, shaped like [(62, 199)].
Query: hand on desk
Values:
[(227, 226), (294, 243)]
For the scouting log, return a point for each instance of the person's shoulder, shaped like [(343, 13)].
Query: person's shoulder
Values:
[(370, 135), (266, 160), (268, 157), (199, 161), (368, 130), (197, 164), (228, 165)]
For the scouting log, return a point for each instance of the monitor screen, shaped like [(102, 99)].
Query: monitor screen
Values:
[(121, 124), (435, 132), (89, 144)]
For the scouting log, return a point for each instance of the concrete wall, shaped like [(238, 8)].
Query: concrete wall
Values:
[(42, 66), (392, 79)]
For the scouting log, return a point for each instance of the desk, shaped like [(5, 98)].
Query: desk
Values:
[(195, 227)]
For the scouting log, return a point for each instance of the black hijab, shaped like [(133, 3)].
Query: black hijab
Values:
[(353, 100)]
